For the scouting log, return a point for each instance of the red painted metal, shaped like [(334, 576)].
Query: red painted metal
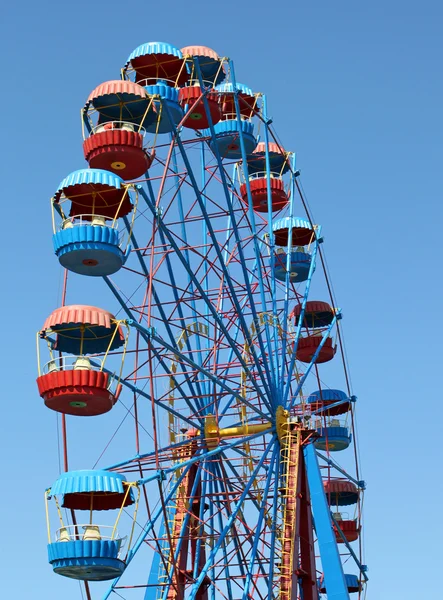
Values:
[(80, 393), (307, 570), (117, 86), (186, 503), (196, 117), (259, 193), (290, 525), (247, 104), (317, 314), (118, 151), (307, 347), (340, 491), (160, 66), (98, 199), (322, 408), (200, 51), (80, 314), (301, 236), (350, 530), (96, 500)]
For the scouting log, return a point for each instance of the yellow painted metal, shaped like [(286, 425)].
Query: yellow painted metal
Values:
[(213, 433), (290, 456)]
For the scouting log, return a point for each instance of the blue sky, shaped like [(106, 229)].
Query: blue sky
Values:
[(356, 90)]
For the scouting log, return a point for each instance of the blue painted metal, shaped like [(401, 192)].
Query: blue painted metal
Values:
[(330, 556), (227, 140), (288, 289), (200, 289), (166, 121), (299, 263), (242, 322), (90, 176), (326, 333), (176, 298), (333, 438), (204, 372), (88, 480), (272, 376), (352, 583), (275, 317), (327, 395), (290, 223), (259, 523), (86, 560), (221, 473), (90, 250), (150, 522), (123, 107), (275, 509), (206, 455), (363, 568), (154, 48), (210, 69), (154, 571), (182, 534), (228, 525), (331, 463), (231, 87), (278, 163), (147, 334)]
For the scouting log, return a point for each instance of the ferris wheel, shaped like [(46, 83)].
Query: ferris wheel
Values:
[(223, 347)]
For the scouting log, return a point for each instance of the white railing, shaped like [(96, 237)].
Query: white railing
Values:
[(97, 220), (196, 83), (92, 221), (330, 422), (264, 174), (340, 516), (157, 81), (73, 363), (124, 125), (282, 250), (233, 117), (89, 532)]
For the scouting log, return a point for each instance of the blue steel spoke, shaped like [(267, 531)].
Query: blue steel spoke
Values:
[(145, 333), (203, 456), (300, 323), (207, 374), (270, 374), (220, 525), (204, 484), (219, 252), (140, 392), (182, 536), (331, 463), (214, 313), (228, 525), (159, 306), (349, 548), (138, 457), (258, 525), (226, 461), (287, 275), (313, 361), (149, 526), (275, 332), (274, 517)]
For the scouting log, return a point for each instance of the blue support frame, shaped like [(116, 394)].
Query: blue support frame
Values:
[(330, 556)]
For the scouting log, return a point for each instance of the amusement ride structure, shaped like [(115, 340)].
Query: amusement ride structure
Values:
[(232, 484)]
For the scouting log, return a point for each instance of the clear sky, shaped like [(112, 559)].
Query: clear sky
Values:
[(356, 90)]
